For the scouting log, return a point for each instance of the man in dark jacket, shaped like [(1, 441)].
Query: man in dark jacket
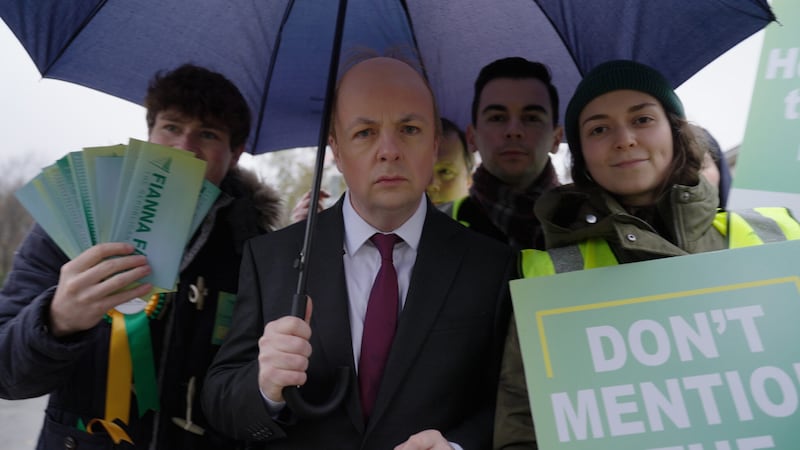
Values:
[(53, 336), (416, 323), (514, 128)]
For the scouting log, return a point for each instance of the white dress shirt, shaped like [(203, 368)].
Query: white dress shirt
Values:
[(362, 262)]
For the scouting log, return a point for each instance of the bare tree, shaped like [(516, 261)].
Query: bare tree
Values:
[(291, 172), (14, 218)]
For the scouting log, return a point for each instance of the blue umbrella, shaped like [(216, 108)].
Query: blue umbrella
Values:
[(284, 55), (278, 51)]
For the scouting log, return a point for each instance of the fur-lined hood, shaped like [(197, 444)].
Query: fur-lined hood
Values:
[(243, 183)]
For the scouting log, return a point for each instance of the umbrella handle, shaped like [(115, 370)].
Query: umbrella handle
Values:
[(292, 393), (306, 410)]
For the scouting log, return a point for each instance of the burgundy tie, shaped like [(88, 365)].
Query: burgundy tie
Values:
[(379, 323)]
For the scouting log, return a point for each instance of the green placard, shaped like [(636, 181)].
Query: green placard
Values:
[(689, 353), (768, 166)]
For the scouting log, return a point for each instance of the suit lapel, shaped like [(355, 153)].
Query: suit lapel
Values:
[(435, 268), (330, 317)]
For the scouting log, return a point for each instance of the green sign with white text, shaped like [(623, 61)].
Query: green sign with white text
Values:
[(689, 353), (768, 166)]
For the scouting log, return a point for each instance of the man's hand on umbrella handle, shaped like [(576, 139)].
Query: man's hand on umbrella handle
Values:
[(94, 283), (283, 352), (300, 210)]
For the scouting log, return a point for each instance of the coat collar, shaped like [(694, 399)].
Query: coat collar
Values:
[(242, 184), (573, 214)]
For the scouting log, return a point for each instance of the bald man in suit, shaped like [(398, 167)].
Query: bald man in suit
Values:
[(437, 389)]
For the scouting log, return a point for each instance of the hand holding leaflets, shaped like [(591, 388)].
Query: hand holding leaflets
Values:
[(148, 195)]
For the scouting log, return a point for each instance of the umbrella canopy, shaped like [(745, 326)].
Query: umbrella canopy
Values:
[(278, 51)]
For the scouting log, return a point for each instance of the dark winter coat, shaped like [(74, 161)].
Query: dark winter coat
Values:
[(73, 370)]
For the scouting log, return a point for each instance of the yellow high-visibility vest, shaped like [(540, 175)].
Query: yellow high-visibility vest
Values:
[(748, 227)]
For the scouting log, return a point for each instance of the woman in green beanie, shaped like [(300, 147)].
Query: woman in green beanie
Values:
[(637, 195)]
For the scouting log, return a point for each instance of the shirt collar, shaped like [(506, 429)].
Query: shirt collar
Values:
[(357, 231)]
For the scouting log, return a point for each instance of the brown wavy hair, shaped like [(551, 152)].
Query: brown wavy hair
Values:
[(203, 94)]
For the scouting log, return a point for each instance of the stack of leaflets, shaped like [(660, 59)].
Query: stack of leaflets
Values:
[(151, 196)]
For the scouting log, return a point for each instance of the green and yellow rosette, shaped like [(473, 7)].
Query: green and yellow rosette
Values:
[(131, 368)]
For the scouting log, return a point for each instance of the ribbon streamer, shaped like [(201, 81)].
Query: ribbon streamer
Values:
[(115, 431), (120, 372), (130, 363), (141, 355)]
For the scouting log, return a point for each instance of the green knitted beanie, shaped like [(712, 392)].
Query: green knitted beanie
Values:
[(617, 75)]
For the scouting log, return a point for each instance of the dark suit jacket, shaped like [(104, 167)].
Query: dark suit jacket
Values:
[(443, 366)]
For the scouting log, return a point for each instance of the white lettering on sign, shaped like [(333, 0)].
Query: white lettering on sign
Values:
[(748, 443), (651, 405), (649, 342), (579, 419), (630, 409), (792, 101), (669, 404), (783, 64)]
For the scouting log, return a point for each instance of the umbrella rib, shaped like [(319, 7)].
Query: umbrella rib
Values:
[(765, 8), (74, 36), (558, 31), (270, 71), (404, 5)]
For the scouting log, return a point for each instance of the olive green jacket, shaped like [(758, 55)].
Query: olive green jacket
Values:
[(570, 215)]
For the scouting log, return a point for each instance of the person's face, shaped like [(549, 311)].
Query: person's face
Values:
[(513, 130), (385, 140), (208, 142), (451, 178), (627, 145)]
